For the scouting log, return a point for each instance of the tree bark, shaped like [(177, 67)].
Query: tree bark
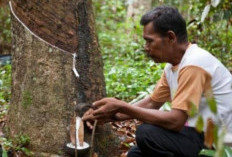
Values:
[(44, 87)]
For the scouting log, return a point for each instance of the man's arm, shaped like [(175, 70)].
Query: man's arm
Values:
[(147, 102), (173, 120)]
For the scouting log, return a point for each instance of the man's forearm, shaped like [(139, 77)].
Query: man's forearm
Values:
[(122, 116), (144, 103), (147, 102), (173, 120)]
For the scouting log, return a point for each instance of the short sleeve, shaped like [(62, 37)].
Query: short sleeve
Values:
[(161, 92), (192, 82)]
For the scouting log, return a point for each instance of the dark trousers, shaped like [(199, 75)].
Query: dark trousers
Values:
[(154, 141)]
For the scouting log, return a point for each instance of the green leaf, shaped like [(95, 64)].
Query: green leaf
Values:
[(212, 105), (27, 151), (4, 153), (205, 12), (207, 152), (228, 151), (200, 124), (220, 146), (193, 110), (215, 134), (127, 145), (215, 3)]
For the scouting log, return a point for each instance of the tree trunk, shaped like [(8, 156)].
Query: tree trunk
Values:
[(137, 8), (44, 87)]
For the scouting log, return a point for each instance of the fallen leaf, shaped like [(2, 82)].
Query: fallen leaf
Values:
[(126, 132), (129, 140), (123, 154), (95, 155), (81, 133), (73, 130), (209, 134)]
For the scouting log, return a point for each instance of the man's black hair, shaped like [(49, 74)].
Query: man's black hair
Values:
[(166, 19)]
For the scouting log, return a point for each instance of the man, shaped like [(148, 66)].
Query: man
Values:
[(191, 77)]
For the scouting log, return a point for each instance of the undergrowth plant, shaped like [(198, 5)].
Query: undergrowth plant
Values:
[(15, 146)]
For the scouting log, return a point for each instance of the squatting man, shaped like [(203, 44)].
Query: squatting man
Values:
[(191, 77)]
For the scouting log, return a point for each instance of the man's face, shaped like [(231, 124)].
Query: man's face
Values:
[(156, 46)]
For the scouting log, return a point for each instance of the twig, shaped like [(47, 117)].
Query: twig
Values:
[(75, 116), (92, 139)]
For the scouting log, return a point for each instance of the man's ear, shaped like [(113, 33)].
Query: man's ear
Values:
[(171, 36)]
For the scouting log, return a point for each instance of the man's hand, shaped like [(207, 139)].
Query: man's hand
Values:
[(90, 121), (106, 110)]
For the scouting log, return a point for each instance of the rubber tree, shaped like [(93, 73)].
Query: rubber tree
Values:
[(45, 90)]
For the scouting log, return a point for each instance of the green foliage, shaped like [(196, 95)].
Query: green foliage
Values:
[(5, 89), (193, 110), (127, 70), (207, 152), (200, 124), (228, 151), (221, 149), (4, 153), (21, 140), (5, 143), (5, 23), (215, 32), (5, 83), (5, 93), (16, 144), (215, 135), (212, 105)]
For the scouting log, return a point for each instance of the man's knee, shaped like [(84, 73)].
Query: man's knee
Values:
[(145, 132), (151, 140), (130, 154)]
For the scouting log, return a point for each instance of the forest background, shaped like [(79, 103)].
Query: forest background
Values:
[(128, 73)]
